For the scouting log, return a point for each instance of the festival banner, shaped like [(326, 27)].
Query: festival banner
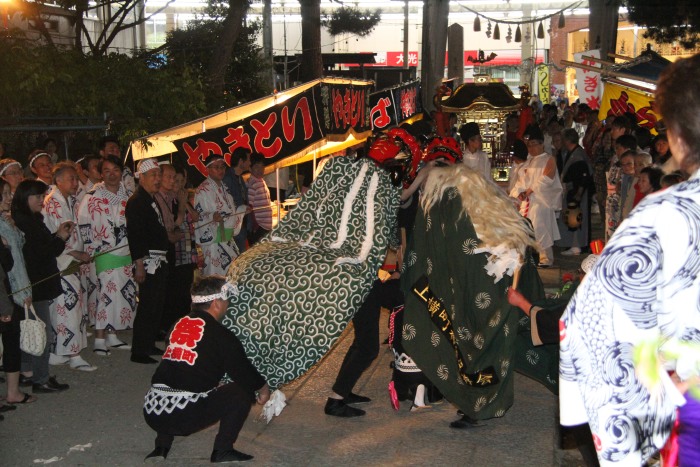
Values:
[(274, 133), (543, 84), (345, 108), (618, 100), (407, 101), (588, 83), (382, 110), (390, 107)]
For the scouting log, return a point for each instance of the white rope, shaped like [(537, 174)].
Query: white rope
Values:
[(347, 207)]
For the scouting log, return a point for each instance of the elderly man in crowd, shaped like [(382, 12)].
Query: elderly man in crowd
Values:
[(215, 229), (149, 243)]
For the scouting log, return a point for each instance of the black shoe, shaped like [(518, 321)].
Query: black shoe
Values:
[(464, 423), (51, 386), (356, 399), (142, 358), (338, 408), (229, 455), (159, 454), (155, 351)]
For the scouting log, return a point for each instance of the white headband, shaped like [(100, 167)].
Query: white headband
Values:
[(36, 156), (206, 298), (4, 169), (227, 290)]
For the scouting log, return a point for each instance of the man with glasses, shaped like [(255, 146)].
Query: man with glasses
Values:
[(214, 232)]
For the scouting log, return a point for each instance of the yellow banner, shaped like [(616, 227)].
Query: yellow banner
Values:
[(618, 100), (543, 84)]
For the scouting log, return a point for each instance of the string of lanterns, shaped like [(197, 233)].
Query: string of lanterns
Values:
[(518, 34)]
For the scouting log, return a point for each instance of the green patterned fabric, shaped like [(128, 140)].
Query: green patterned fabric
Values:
[(298, 289), (485, 326)]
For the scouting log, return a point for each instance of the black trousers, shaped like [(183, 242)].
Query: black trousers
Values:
[(365, 347), (12, 356), (228, 404), (148, 314), (178, 298)]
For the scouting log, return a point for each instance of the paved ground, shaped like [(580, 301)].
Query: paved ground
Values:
[(99, 422)]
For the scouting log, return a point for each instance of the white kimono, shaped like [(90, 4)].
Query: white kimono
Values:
[(645, 288), (102, 228), (545, 200), (215, 238), (68, 312), (478, 161)]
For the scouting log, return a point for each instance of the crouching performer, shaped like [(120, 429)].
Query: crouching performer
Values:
[(187, 393)]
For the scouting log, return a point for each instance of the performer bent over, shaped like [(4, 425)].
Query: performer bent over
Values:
[(187, 394)]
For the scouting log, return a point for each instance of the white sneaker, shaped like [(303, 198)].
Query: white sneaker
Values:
[(77, 363), (573, 251), (58, 359)]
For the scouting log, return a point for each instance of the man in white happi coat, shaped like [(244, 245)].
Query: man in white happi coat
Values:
[(68, 313), (473, 156), (103, 230), (215, 230), (539, 190)]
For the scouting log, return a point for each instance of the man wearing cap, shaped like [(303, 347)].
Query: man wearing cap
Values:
[(215, 228), (539, 190), (474, 157), (187, 394), (148, 241)]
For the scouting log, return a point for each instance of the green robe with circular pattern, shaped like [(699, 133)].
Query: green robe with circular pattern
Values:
[(300, 286), (485, 326)]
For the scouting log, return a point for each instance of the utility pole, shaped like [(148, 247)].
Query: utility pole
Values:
[(267, 37), (405, 34)]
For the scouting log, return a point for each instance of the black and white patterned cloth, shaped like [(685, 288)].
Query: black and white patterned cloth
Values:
[(301, 285), (645, 286)]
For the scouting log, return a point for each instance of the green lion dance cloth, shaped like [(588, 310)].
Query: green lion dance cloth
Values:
[(458, 326), (296, 291)]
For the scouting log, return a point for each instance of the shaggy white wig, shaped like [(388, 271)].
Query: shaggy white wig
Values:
[(495, 219)]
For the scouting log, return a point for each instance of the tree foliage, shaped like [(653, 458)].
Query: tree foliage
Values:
[(45, 82), (244, 76), (668, 21), (351, 20)]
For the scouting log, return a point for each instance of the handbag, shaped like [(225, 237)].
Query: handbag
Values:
[(32, 333)]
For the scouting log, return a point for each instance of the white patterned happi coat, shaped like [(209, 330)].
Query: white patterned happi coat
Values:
[(215, 238), (68, 312), (644, 288), (103, 230)]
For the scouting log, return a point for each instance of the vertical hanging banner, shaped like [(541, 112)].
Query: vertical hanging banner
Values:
[(390, 107), (619, 100), (345, 109), (407, 100), (543, 86), (588, 83)]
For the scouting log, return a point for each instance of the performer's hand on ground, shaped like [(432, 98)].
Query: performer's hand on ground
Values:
[(263, 394)]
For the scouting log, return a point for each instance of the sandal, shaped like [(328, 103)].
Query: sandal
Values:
[(102, 352), (27, 399), (6, 408)]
